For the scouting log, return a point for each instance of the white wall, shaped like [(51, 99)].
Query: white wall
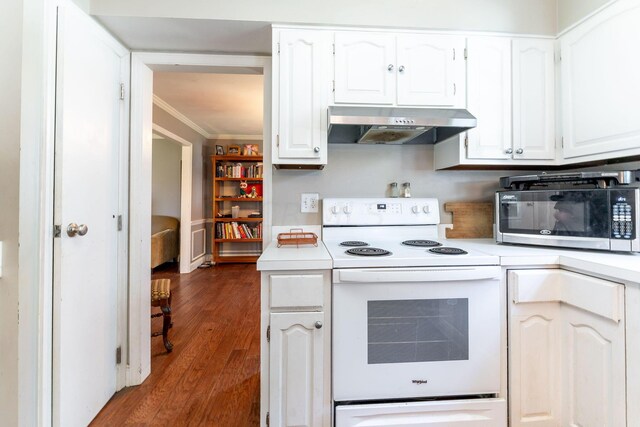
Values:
[(572, 11), (521, 16), (366, 171), (165, 183), (173, 125), (10, 80)]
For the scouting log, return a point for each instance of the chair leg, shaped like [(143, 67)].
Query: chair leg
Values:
[(166, 324)]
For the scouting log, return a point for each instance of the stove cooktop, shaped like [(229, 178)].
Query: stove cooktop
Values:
[(402, 255)]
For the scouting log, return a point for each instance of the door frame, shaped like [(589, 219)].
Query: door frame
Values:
[(186, 155), (141, 124)]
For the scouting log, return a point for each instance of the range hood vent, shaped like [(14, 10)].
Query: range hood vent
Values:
[(384, 125)]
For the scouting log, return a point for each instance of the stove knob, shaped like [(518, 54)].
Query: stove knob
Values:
[(335, 209), (415, 209), (348, 209), (426, 209)]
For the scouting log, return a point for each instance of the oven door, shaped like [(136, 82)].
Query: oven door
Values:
[(415, 332)]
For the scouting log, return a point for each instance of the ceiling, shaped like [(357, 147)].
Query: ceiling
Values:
[(190, 35), (221, 105)]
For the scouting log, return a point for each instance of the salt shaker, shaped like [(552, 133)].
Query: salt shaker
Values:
[(406, 189), (393, 189)]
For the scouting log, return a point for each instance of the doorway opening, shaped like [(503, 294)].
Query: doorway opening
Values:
[(172, 159), (150, 102)]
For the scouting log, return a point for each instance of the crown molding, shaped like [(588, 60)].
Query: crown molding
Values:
[(178, 115), (161, 103), (237, 137)]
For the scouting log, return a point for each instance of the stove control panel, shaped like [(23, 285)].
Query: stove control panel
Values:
[(383, 211)]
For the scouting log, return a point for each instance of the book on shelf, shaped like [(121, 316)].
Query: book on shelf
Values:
[(234, 230), (238, 170)]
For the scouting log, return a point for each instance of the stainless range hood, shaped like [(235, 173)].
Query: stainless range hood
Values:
[(385, 125)]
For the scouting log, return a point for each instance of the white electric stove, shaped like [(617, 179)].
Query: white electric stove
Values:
[(416, 319), (391, 233)]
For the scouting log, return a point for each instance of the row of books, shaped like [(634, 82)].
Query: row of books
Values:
[(233, 230), (238, 170)]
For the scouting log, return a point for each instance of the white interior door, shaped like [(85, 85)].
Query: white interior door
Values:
[(90, 118)]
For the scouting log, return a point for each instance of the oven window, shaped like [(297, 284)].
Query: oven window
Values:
[(428, 330)]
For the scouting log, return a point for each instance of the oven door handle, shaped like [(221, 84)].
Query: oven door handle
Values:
[(398, 275)]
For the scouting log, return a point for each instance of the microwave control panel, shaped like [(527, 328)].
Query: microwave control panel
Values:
[(623, 215)]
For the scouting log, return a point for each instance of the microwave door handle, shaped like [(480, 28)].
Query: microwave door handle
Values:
[(400, 275)]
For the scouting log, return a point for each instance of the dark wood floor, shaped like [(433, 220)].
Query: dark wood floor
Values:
[(212, 376)]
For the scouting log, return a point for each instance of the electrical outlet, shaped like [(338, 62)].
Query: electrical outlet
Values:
[(309, 202)]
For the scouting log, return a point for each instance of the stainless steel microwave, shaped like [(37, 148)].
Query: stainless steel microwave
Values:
[(590, 218)]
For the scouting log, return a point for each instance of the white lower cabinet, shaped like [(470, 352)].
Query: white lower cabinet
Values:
[(452, 413), (566, 350), (295, 367)]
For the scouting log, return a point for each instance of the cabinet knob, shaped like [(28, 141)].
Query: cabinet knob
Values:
[(318, 324), (508, 151), (316, 149), (519, 151), (390, 67), (401, 69)]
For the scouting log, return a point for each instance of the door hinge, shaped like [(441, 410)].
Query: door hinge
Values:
[(122, 91), (454, 53), (269, 333), (466, 141), (277, 140), (562, 142), (267, 419), (118, 355), (278, 48), (119, 222), (334, 48), (57, 230), (466, 53), (334, 85)]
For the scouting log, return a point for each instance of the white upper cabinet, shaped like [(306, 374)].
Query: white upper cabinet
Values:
[(427, 72), (533, 99), (302, 85), (365, 68), (511, 91), (399, 69), (489, 97), (600, 71)]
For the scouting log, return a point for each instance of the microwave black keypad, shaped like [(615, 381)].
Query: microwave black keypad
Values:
[(622, 217)]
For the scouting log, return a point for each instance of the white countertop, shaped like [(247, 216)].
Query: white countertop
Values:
[(303, 257), (615, 266), (620, 266)]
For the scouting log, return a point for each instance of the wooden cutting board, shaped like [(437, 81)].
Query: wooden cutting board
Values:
[(471, 220)]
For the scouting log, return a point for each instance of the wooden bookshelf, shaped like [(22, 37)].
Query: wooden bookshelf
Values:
[(229, 172)]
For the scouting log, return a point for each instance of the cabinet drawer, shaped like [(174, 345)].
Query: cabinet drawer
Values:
[(467, 413), (304, 290)]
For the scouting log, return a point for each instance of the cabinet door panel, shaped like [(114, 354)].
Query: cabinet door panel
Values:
[(296, 386), (362, 62), (489, 97), (304, 79), (534, 364), (600, 84), (594, 374), (533, 99), (427, 69)]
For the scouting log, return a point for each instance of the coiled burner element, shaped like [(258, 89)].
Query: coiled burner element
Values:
[(368, 251), (422, 243), (447, 251)]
